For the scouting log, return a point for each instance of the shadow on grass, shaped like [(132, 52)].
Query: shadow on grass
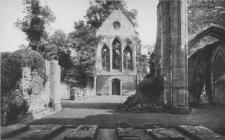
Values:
[(102, 120), (91, 105)]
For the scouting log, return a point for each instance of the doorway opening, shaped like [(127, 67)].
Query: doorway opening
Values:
[(116, 87)]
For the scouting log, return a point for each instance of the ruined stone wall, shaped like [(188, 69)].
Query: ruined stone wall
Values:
[(34, 92), (42, 93), (202, 13), (104, 84)]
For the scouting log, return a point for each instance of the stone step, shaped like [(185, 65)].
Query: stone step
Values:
[(165, 134), (12, 130), (199, 133), (83, 132), (42, 132)]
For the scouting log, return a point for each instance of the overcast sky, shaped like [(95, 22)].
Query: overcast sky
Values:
[(66, 12)]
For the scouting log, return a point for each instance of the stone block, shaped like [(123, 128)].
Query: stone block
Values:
[(153, 125), (43, 132), (126, 134), (83, 132), (12, 130), (107, 134), (165, 134), (199, 133)]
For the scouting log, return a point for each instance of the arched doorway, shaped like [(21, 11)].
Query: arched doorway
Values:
[(218, 75), (201, 71), (116, 87)]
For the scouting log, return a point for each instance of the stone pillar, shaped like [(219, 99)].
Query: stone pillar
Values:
[(111, 57), (174, 54), (122, 48), (55, 84), (95, 81), (48, 83)]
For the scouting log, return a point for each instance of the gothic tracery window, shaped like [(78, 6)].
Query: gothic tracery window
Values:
[(105, 57), (127, 58), (116, 54)]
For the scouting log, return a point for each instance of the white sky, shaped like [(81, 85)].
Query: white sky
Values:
[(66, 12)]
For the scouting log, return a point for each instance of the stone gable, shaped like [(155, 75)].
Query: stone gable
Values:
[(126, 27)]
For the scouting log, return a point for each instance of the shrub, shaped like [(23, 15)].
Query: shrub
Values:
[(13, 104), (11, 70), (5, 55), (149, 91)]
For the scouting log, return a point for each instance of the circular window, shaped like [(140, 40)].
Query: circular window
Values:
[(116, 25)]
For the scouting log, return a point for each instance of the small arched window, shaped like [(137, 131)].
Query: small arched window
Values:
[(105, 57), (116, 54), (128, 58)]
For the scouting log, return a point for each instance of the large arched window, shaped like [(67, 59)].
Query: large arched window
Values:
[(128, 58), (105, 57), (116, 54)]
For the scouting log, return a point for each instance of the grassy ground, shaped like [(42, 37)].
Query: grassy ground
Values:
[(102, 110)]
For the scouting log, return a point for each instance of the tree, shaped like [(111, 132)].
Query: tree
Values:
[(99, 10), (60, 40), (84, 41), (35, 21)]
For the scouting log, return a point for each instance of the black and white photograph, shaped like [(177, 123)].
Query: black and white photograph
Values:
[(112, 69)]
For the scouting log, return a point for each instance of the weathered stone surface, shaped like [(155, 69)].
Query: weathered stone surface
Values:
[(12, 130), (126, 133), (90, 132), (140, 134), (43, 132), (165, 134), (107, 134), (153, 125), (83, 132), (200, 133), (171, 46)]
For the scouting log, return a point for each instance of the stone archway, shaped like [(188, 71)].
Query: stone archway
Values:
[(214, 31), (116, 87), (201, 63)]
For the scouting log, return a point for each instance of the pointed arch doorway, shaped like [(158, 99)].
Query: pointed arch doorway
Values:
[(116, 87)]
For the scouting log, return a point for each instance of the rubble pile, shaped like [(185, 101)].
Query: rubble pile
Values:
[(148, 97)]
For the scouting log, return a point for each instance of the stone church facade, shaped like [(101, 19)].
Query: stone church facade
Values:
[(116, 56)]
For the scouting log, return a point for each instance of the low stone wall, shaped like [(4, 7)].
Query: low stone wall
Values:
[(79, 93), (65, 90)]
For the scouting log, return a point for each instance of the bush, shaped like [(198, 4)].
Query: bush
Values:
[(5, 55), (152, 88), (149, 91), (11, 70), (13, 105)]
